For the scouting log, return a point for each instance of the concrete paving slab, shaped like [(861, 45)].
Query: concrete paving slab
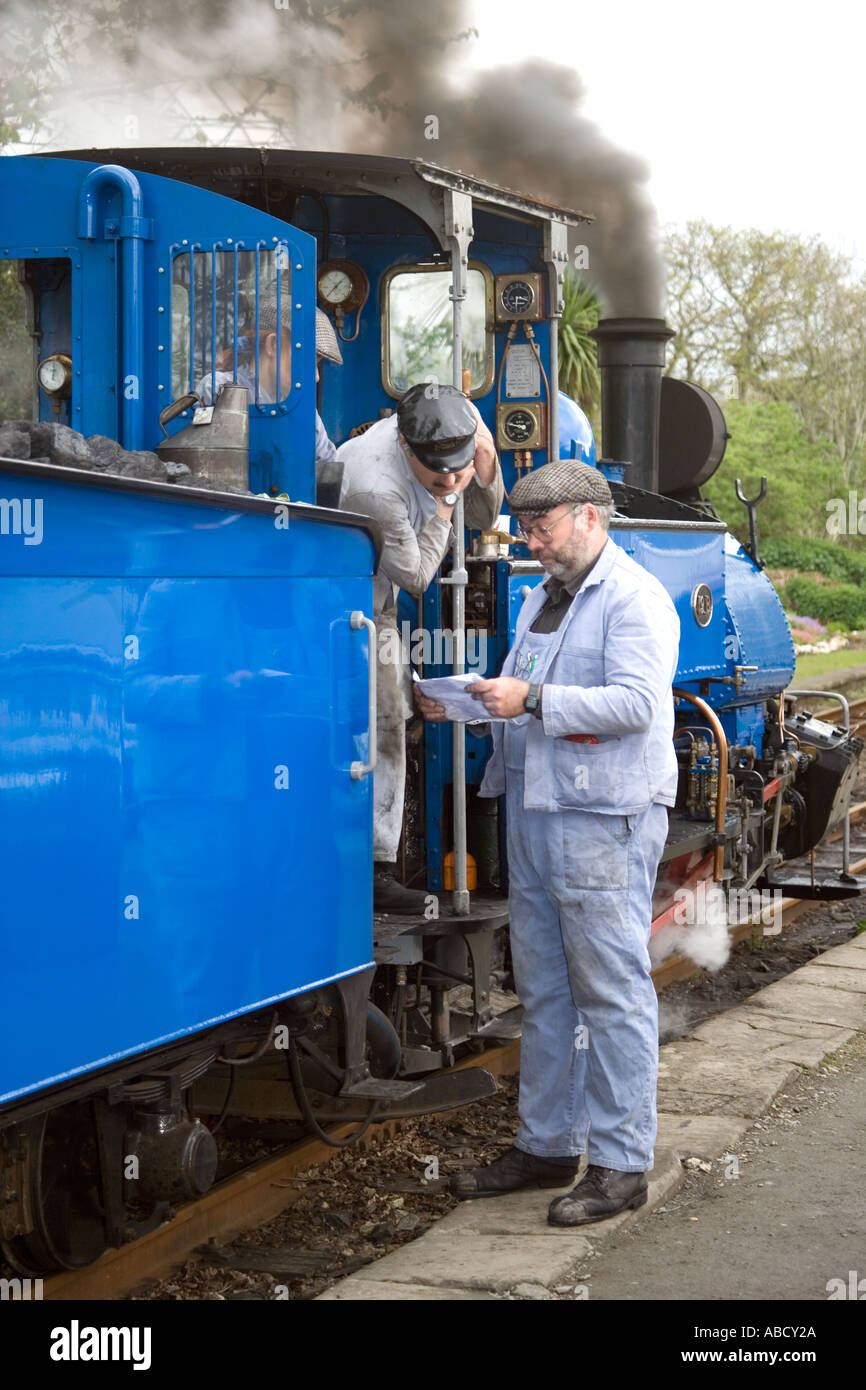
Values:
[(694, 1076), (474, 1261), (758, 1021), (765, 1035), (701, 1136), (738, 1032), (514, 1213), (790, 999), (851, 953), (374, 1291), (834, 975), (685, 1100)]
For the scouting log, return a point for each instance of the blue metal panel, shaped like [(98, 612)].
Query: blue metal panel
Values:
[(743, 726), (157, 876), (681, 560), (758, 629), (50, 209)]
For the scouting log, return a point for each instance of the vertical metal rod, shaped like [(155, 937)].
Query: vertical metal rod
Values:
[(258, 294), (460, 898), (130, 232), (191, 319), (235, 312), (213, 323), (280, 257), (553, 403)]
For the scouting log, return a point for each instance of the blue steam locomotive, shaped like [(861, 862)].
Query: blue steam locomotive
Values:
[(187, 711)]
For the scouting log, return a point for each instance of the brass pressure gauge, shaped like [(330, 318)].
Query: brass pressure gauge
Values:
[(342, 286), (54, 375)]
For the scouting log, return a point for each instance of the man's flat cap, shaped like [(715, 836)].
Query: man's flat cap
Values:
[(438, 424), (326, 340), (268, 313), (555, 483)]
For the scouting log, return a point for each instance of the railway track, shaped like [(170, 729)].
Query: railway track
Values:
[(260, 1192), (832, 714)]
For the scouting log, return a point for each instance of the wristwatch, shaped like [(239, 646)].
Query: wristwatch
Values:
[(532, 701), (450, 499)]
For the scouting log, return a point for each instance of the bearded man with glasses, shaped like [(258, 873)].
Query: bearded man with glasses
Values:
[(585, 760)]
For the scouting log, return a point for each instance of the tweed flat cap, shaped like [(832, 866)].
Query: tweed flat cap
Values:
[(326, 340), (268, 313), (554, 483)]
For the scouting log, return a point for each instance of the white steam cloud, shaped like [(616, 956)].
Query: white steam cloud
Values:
[(706, 940)]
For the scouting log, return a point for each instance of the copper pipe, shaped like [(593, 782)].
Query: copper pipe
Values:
[(722, 751)]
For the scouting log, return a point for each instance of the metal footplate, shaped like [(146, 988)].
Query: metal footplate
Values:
[(444, 1091), (485, 912), (378, 1088), (835, 888)]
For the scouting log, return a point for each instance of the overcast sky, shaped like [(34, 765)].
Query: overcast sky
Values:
[(750, 114)]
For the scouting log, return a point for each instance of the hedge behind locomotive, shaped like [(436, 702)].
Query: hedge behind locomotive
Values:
[(186, 725)]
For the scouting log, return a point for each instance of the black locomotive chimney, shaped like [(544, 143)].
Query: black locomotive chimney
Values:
[(631, 355)]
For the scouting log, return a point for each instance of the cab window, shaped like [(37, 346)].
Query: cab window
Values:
[(417, 332), (213, 320)]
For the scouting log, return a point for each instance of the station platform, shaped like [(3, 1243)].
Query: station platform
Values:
[(714, 1085)]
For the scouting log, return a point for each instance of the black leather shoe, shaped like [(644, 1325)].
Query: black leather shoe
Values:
[(601, 1193), (512, 1170), (391, 896)]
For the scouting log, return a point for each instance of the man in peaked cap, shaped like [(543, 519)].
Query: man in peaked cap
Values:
[(585, 760), (407, 472)]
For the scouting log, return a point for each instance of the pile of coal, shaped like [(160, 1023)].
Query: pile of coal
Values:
[(44, 442)]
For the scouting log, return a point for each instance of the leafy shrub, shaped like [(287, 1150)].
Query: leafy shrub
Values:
[(831, 603), (828, 558)]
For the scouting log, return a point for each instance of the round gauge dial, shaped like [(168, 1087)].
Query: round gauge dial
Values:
[(54, 374), (335, 286), (342, 285), (519, 426), (518, 297)]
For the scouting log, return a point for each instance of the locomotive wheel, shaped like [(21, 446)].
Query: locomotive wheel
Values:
[(69, 1229)]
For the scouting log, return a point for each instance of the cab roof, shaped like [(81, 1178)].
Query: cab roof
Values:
[(417, 184)]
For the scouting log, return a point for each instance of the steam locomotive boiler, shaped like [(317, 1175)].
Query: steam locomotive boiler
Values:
[(187, 728)]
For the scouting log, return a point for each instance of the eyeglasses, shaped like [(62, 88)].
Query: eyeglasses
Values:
[(523, 533)]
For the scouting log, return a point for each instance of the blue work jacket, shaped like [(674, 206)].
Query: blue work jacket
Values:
[(608, 678)]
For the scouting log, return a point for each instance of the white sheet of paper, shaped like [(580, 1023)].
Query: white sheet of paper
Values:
[(450, 691)]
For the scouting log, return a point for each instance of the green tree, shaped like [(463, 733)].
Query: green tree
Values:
[(764, 316), (578, 359), (769, 440)]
